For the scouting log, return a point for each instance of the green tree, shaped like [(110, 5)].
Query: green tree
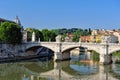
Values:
[(56, 31), (10, 33), (77, 35), (48, 35), (52, 35), (38, 33), (86, 32)]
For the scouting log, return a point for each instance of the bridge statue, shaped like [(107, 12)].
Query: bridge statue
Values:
[(33, 37), (58, 38)]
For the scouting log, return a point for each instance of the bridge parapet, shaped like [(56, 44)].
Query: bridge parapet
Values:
[(54, 46)]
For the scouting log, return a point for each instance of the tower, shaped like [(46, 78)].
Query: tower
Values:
[(17, 20)]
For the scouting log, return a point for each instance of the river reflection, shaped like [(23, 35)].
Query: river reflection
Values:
[(66, 70)]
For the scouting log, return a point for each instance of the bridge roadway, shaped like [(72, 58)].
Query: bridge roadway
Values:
[(62, 49)]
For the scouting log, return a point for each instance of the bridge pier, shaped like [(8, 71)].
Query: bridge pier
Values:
[(105, 58), (66, 55), (57, 56)]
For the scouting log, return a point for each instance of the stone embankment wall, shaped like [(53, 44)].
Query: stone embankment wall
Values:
[(9, 50)]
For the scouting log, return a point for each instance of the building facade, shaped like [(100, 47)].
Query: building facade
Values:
[(85, 39)]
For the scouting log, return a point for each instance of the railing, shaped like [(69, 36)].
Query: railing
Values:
[(72, 43)]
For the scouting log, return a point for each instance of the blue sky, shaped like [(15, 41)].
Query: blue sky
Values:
[(53, 14)]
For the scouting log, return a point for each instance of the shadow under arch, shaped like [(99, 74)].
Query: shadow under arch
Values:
[(69, 49), (115, 56), (80, 47), (116, 50), (37, 47), (43, 49)]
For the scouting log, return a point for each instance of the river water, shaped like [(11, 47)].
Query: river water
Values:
[(66, 70)]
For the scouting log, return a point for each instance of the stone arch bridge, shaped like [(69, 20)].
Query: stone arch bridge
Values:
[(62, 49)]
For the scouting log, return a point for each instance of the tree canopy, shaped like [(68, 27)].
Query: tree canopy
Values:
[(38, 33), (48, 35), (10, 33)]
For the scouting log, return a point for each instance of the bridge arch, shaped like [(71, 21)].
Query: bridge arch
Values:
[(30, 48), (114, 50), (70, 48), (92, 48), (104, 49), (88, 48), (39, 50), (54, 46), (66, 50)]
